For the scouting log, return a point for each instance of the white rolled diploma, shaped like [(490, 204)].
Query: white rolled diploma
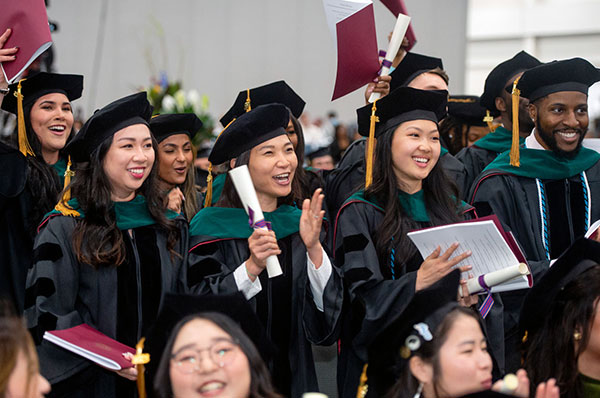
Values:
[(397, 36), (496, 278), (245, 189)]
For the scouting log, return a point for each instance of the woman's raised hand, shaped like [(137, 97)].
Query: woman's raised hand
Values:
[(262, 244), (310, 226), (435, 267), (6, 55), (175, 199)]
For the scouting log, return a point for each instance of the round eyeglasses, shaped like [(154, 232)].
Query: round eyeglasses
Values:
[(221, 353)]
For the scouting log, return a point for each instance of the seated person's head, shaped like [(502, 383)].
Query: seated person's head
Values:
[(19, 370)]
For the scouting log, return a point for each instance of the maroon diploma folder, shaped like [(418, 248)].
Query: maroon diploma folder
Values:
[(30, 32), (89, 343)]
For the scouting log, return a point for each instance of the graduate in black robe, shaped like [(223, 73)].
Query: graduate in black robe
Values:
[(278, 92), (382, 269), (33, 174), (107, 256), (303, 304), (498, 102), (416, 71), (546, 192)]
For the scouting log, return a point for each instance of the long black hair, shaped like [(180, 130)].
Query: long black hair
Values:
[(553, 351), (261, 385), (43, 184), (91, 187), (406, 386), (441, 201)]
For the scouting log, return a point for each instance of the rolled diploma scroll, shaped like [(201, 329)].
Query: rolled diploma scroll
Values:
[(397, 36), (496, 278), (245, 189)]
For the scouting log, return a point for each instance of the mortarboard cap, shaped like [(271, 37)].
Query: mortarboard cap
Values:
[(467, 108), (278, 92), (175, 307), (105, 122), (26, 91), (323, 151), (575, 74), (498, 78), (411, 66), (581, 256), (401, 105), (41, 84), (250, 129), (392, 348), (163, 126)]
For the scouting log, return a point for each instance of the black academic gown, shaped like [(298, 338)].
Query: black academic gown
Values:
[(475, 158), (15, 241), (121, 302), (285, 304), (515, 200), (373, 298)]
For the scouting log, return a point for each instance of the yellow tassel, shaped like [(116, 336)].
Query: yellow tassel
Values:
[(63, 205), (24, 146), (209, 178), (514, 149), (490, 121), (209, 181), (247, 106), (363, 387), (371, 146), (139, 360)]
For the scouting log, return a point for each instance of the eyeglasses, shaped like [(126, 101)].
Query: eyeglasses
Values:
[(222, 353)]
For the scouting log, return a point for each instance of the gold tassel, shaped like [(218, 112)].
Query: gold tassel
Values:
[(24, 146), (63, 206), (363, 387), (209, 178), (371, 146), (247, 106), (514, 149), (489, 119), (139, 360)]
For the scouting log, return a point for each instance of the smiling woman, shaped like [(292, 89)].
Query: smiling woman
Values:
[(302, 305), (107, 256), (176, 153), (409, 190), (42, 103)]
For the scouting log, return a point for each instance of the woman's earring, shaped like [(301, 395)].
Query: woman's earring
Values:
[(419, 391), (577, 336)]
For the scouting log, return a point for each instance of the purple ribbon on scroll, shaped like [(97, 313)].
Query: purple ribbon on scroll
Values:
[(385, 62), (262, 223), (487, 304)]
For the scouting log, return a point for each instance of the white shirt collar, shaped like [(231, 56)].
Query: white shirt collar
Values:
[(531, 142)]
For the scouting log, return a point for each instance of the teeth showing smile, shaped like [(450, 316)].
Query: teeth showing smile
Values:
[(57, 128), (215, 385), (421, 160), (568, 135), (282, 177), (136, 171)]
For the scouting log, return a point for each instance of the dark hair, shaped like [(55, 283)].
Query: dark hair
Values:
[(43, 184), (407, 384), (552, 351), (91, 187), (451, 131), (260, 379), (441, 201), (441, 73), (230, 198)]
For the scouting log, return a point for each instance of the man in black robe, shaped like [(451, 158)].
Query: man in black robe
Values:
[(548, 196), (498, 103)]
